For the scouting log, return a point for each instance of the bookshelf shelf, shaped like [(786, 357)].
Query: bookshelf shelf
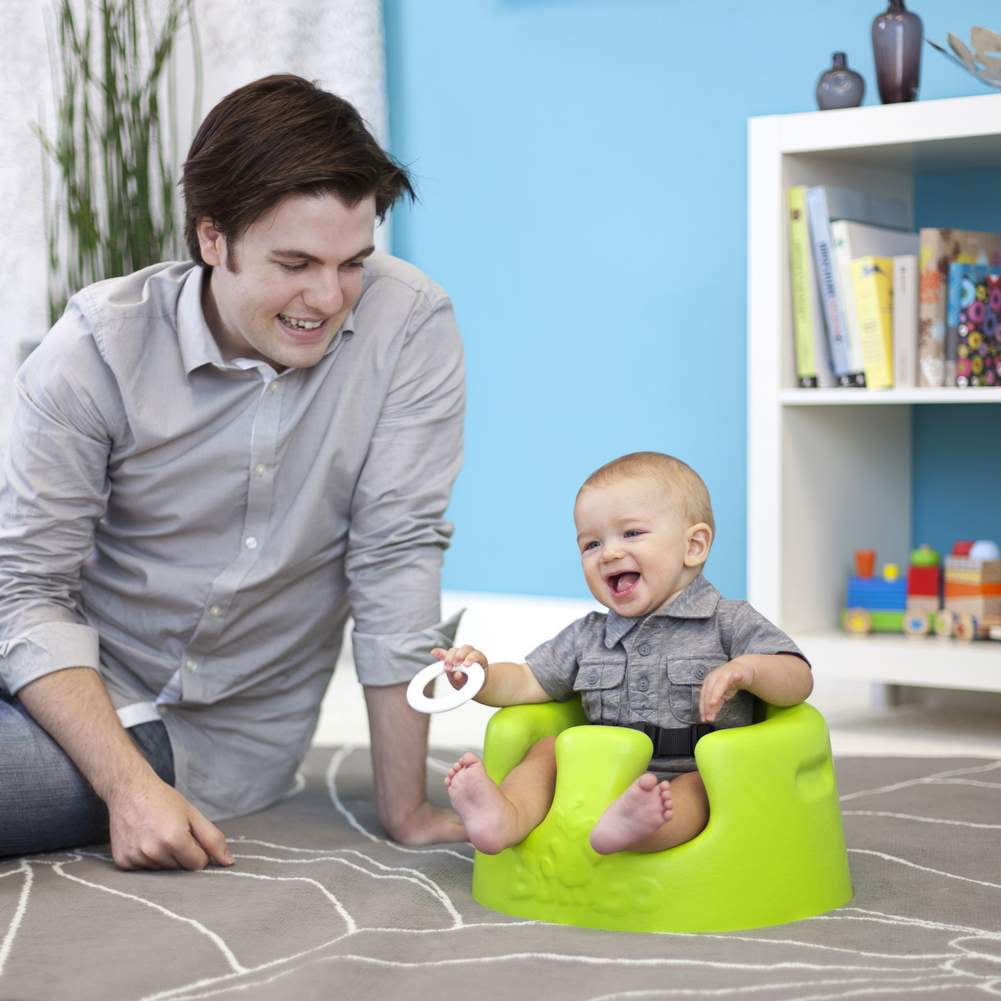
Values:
[(884, 397), (830, 471)]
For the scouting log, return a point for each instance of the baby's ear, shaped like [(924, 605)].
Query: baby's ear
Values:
[(700, 538)]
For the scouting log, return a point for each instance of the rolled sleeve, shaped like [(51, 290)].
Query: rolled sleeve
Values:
[(54, 491), (398, 532), (44, 649), (391, 659)]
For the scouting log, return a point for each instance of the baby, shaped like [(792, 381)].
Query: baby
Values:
[(671, 658)]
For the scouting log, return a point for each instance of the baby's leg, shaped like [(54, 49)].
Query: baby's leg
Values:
[(650, 815), (497, 817)]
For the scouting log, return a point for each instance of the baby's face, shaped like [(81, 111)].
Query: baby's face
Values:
[(636, 549)]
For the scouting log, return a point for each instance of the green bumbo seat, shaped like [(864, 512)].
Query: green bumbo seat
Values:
[(772, 852)]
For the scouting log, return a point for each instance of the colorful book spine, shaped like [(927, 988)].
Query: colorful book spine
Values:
[(905, 320), (973, 339), (872, 283), (939, 249), (825, 204), (813, 362), (847, 371)]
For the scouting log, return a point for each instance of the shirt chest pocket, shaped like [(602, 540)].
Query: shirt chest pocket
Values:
[(685, 677), (599, 684)]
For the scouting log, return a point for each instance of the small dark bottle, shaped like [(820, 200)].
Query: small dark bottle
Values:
[(840, 87), (897, 34)]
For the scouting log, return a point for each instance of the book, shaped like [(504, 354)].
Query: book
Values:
[(973, 319), (905, 320), (812, 350), (825, 204), (853, 240), (872, 289), (939, 249)]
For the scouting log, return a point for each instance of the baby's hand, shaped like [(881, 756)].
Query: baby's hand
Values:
[(456, 658), (721, 685)]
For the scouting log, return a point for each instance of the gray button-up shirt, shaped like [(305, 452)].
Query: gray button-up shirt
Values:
[(199, 530), (650, 670)]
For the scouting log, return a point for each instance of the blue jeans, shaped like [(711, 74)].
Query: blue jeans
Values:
[(45, 803)]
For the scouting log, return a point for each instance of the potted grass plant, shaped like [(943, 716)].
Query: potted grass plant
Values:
[(110, 165)]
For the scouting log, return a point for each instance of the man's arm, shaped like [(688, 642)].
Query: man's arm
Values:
[(66, 413), (399, 739), (152, 825), (396, 539)]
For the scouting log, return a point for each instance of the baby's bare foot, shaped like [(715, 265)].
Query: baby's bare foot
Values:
[(489, 816), (639, 811)]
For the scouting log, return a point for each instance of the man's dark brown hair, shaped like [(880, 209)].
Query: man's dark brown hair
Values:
[(278, 136)]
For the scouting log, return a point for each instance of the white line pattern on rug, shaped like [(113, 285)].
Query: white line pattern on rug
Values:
[(390, 872), (924, 780), (338, 906), (922, 820), (19, 911), (758, 988), (332, 769), (216, 940), (925, 970), (923, 868)]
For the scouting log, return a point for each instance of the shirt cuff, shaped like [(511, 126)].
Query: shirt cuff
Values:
[(394, 658), (43, 649)]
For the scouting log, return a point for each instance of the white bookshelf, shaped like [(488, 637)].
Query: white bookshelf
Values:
[(829, 471)]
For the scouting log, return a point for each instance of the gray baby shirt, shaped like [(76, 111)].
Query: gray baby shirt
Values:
[(650, 670)]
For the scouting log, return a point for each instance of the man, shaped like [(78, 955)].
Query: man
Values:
[(211, 466)]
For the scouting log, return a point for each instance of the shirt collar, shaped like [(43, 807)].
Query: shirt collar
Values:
[(617, 627), (198, 346), (697, 601)]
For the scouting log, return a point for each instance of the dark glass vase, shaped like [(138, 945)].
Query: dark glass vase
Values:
[(896, 45), (839, 87)]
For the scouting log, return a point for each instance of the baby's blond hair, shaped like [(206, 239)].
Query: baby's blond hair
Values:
[(684, 484)]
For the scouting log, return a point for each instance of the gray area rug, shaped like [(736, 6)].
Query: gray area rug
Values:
[(321, 905)]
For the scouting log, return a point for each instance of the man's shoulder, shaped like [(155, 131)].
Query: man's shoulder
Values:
[(149, 292), (389, 278), (106, 327)]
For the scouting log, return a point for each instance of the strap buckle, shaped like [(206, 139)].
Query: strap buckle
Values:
[(674, 742)]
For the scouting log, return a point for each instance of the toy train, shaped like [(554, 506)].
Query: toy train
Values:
[(964, 602)]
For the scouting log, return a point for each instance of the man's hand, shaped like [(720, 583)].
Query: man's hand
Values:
[(154, 827), (721, 685), (458, 657)]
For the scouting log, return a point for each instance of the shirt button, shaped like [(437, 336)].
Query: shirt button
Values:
[(642, 684), (592, 678), (643, 649), (191, 664), (272, 387), (259, 469), (216, 610), (251, 542)]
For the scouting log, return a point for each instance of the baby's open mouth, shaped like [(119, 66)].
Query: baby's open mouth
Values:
[(622, 583)]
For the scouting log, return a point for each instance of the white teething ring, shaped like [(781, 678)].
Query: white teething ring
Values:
[(475, 676)]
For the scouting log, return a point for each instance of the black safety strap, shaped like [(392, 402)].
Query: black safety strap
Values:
[(674, 742)]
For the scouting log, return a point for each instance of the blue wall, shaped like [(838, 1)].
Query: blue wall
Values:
[(581, 166)]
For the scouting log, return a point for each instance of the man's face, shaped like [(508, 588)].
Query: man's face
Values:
[(636, 550), (298, 274)]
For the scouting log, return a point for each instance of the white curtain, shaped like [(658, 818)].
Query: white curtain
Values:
[(337, 43)]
